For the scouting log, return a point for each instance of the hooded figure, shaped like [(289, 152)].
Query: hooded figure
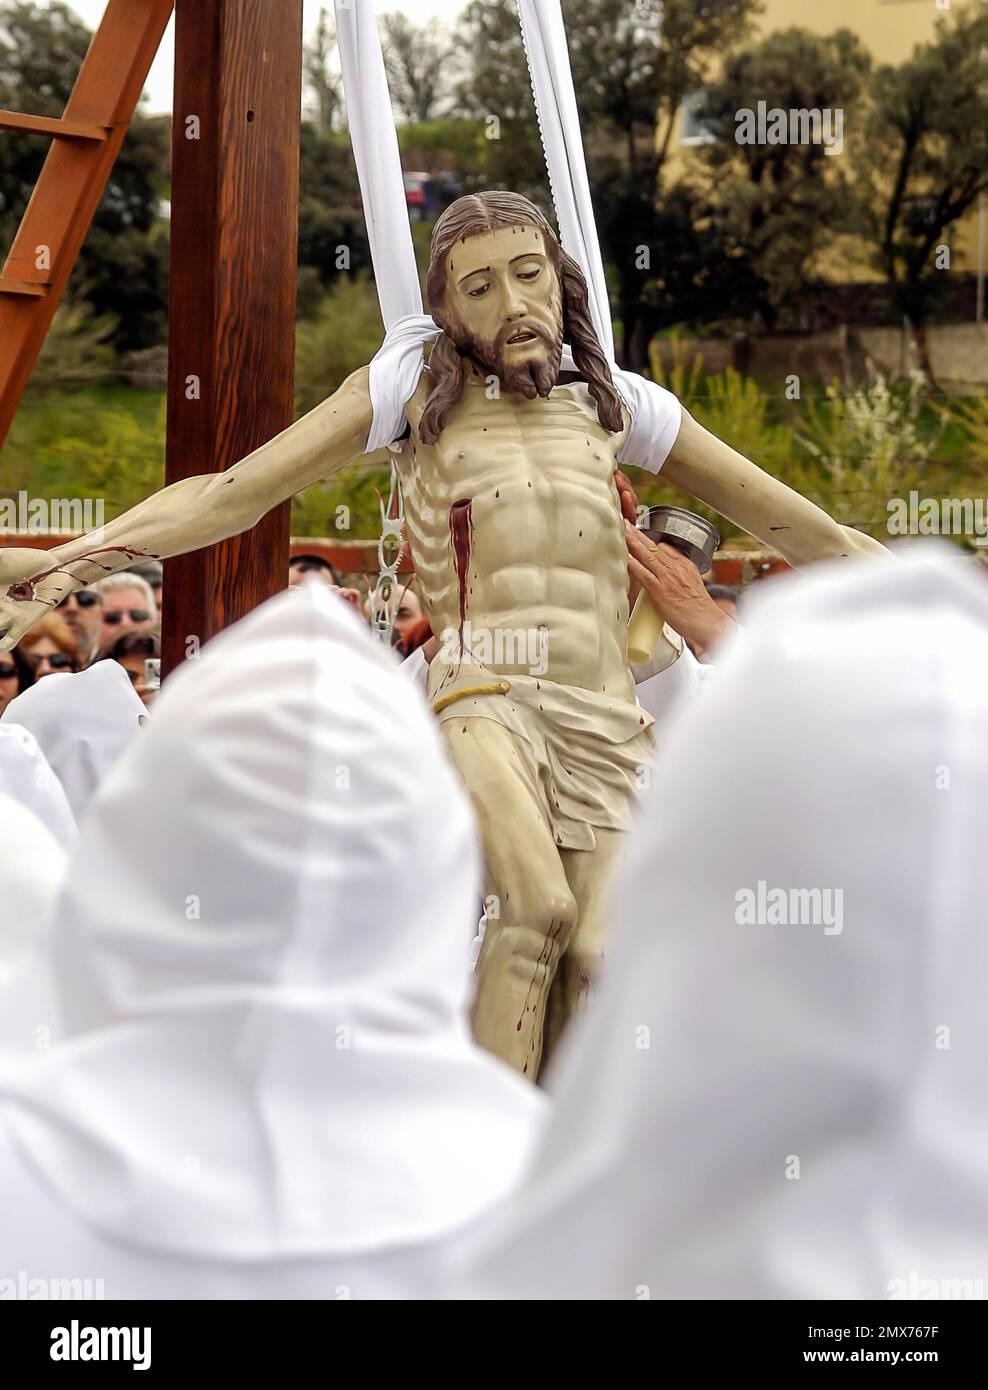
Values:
[(781, 1092), (82, 721), (265, 1084), (33, 863), (26, 776)]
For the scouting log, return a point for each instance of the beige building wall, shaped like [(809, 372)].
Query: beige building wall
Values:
[(890, 30)]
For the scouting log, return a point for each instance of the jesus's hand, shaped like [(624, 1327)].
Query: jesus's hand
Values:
[(21, 602)]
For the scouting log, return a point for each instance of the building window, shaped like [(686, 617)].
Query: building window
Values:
[(694, 131)]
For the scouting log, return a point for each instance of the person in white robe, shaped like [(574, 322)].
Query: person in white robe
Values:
[(262, 1082), (32, 864), (780, 1091), (82, 721), (26, 775)]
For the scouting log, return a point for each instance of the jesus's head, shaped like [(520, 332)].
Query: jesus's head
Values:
[(506, 296)]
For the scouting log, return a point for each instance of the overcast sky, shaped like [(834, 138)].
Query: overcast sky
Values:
[(159, 84)]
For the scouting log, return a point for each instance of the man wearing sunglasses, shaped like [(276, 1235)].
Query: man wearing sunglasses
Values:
[(83, 611), (127, 603)]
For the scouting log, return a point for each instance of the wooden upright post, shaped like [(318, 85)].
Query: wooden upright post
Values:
[(231, 338)]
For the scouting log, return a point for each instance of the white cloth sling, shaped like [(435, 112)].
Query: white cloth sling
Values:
[(395, 370), (265, 1084), (790, 1110)]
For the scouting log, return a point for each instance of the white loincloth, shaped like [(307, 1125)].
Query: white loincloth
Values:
[(585, 753)]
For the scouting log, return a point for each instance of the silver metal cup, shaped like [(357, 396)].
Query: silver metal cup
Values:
[(685, 530)]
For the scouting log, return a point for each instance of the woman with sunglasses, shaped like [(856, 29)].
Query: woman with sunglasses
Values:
[(50, 648), (16, 674)]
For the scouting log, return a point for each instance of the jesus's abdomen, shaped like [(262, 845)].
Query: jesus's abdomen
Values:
[(515, 530)]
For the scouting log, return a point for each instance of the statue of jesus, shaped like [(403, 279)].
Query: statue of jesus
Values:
[(516, 532)]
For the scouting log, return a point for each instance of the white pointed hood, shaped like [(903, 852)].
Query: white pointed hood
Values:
[(260, 957), (759, 1110), (82, 721), (26, 776)]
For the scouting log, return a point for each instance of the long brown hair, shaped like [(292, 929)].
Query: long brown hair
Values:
[(487, 212)]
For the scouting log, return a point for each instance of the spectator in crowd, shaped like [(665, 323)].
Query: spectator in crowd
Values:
[(408, 612), (82, 722), (299, 1023), (132, 650), (16, 674), (127, 602), (726, 598), (805, 1003), (83, 612), (415, 636), (153, 571), (300, 567), (50, 647)]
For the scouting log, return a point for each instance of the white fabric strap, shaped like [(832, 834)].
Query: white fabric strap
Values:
[(544, 37), (375, 150), (395, 370)]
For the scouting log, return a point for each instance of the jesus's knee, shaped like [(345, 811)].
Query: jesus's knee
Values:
[(535, 925)]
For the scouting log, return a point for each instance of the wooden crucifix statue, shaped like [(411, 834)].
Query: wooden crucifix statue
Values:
[(516, 532)]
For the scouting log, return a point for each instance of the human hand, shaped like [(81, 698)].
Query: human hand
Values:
[(352, 597), (627, 496), (675, 586)]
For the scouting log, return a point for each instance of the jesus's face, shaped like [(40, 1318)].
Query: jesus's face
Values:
[(504, 309)]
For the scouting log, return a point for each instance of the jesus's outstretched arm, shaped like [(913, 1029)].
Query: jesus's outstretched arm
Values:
[(191, 513), (718, 475)]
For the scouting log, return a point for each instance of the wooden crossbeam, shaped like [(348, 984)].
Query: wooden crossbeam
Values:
[(25, 287), (55, 126)]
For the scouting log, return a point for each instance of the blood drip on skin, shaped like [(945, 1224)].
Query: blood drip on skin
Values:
[(542, 964), (23, 592), (461, 532)]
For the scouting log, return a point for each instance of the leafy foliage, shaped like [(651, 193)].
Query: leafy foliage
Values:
[(780, 203), (924, 159)]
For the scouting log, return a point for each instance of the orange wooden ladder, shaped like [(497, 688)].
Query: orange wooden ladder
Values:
[(85, 143)]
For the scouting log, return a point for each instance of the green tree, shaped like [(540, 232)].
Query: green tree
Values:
[(633, 66), (320, 80), (332, 236), (779, 203), (122, 268), (418, 58), (494, 88), (923, 161), (40, 53)]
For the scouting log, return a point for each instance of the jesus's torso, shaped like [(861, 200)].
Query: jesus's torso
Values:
[(515, 529)]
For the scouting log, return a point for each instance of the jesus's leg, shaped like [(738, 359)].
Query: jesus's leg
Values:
[(533, 910), (591, 876)]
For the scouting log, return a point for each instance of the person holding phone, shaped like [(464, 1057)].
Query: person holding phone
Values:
[(139, 653)]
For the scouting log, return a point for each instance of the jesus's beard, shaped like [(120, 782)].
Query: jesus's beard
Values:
[(535, 377)]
